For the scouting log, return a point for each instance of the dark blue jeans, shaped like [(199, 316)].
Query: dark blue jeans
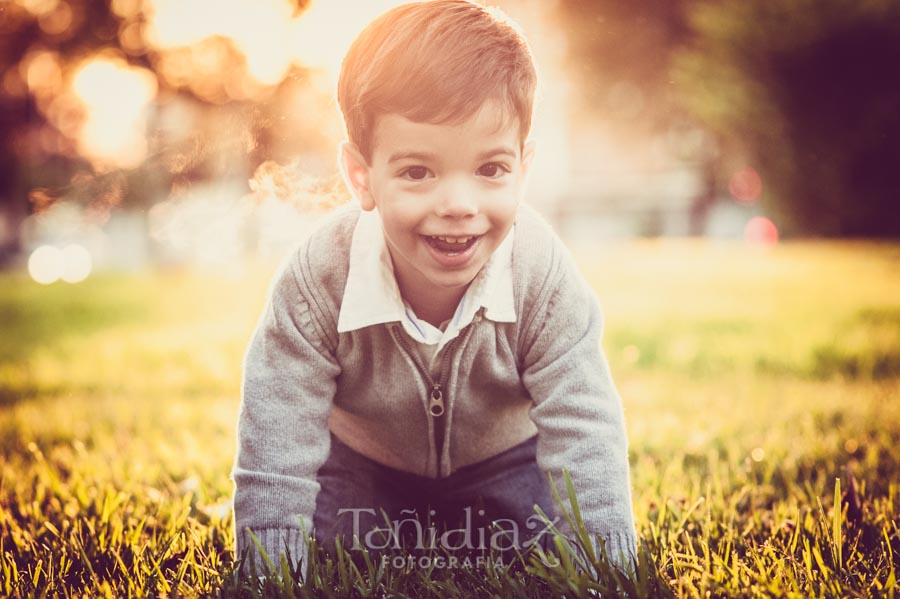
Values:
[(480, 506)]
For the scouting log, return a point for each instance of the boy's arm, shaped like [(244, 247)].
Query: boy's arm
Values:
[(287, 392), (578, 412)]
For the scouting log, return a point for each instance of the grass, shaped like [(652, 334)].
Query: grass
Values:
[(762, 397)]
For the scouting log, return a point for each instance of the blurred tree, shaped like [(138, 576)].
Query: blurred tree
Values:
[(619, 55), (26, 164), (808, 92), (40, 163)]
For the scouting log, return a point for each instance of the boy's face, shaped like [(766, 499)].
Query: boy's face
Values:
[(460, 181)]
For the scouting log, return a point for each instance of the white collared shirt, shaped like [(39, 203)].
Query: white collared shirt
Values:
[(372, 296)]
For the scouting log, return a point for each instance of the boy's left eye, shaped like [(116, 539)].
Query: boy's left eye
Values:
[(415, 173), (492, 170)]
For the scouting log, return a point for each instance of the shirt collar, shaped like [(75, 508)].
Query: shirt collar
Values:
[(371, 295)]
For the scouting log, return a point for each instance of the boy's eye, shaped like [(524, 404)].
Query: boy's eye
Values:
[(492, 170), (416, 173)]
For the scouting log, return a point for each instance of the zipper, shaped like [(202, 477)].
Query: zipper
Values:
[(436, 405)]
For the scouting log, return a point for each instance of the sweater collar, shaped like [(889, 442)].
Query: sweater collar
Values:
[(371, 295)]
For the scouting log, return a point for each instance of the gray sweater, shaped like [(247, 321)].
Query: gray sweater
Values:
[(504, 382)]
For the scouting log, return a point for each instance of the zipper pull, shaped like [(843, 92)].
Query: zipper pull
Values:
[(436, 405)]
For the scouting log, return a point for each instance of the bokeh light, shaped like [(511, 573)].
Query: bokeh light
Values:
[(45, 264), (58, 20), (745, 185), (39, 8), (761, 231), (48, 264), (115, 97), (76, 263)]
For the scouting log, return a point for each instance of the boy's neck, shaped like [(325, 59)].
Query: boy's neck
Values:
[(435, 314), (431, 305)]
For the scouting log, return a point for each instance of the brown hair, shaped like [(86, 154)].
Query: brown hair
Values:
[(437, 62)]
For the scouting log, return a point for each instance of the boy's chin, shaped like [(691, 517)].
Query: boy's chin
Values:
[(456, 280)]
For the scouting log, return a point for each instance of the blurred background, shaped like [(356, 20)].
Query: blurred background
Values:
[(200, 133), (725, 173)]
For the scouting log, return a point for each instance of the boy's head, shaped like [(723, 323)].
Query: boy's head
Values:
[(437, 98), (435, 62)]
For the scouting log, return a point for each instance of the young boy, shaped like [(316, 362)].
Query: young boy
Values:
[(436, 354)]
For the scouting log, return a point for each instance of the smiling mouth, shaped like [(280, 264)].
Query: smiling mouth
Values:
[(451, 245)]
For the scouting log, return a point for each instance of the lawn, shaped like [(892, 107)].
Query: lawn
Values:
[(762, 398)]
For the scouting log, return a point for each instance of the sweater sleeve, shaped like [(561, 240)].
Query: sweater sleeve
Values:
[(282, 433), (578, 413)]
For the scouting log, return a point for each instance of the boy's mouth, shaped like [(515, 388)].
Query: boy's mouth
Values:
[(451, 245)]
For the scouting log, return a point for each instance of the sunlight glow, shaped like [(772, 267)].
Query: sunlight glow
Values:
[(322, 34), (259, 29), (267, 34), (115, 96), (206, 226)]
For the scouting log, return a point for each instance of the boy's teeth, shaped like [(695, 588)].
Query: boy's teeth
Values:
[(454, 239)]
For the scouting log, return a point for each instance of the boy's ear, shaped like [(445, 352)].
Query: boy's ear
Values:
[(527, 159), (527, 155), (355, 171)]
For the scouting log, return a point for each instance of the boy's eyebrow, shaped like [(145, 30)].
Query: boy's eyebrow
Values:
[(430, 156), (499, 151), (412, 155)]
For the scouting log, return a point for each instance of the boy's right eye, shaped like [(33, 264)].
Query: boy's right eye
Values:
[(415, 173)]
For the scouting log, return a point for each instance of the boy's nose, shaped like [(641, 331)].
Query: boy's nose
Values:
[(457, 202)]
